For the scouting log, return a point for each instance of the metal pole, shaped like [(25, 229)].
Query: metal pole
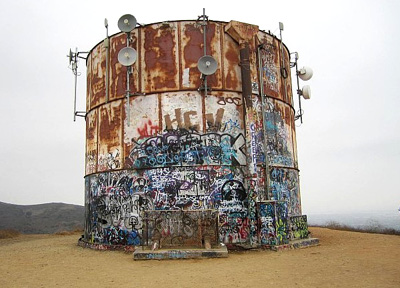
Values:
[(298, 93), (263, 104), (128, 70), (282, 60), (205, 46), (75, 70), (107, 46)]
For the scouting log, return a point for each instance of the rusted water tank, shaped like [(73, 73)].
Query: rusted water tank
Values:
[(232, 149)]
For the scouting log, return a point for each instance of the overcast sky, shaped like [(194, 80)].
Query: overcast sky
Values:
[(348, 144)]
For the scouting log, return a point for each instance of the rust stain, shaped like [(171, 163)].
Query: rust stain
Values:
[(160, 59), (98, 76), (110, 124), (232, 78), (193, 50)]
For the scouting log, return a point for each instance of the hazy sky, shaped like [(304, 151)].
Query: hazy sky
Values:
[(348, 145)]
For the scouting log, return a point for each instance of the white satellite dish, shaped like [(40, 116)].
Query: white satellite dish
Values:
[(207, 65), (306, 92), (305, 73), (127, 23), (127, 56)]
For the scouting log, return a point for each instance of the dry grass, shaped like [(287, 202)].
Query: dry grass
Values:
[(72, 232), (9, 233), (375, 229)]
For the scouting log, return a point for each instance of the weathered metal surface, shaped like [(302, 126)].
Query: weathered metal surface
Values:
[(269, 54), (109, 136), (160, 57), (230, 63), (279, 125), (91, 142), (117, 71), (183, 149), (224, 113), (98, 74), (192, 47), (284, 185), (176, 228), (144, 123)]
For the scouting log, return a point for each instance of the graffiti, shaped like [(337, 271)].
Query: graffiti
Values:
[(169, 228), (234, 227), (234, 223), (148, 129), (188, 148), (91, 162), (110, 161), (229, 100), (273, 224), (282, 227), (278, 140), (269, 68), (215, 125), (284, 185), (267, 230), (181, 121), (114, 209), (257, 146), (115, 200), (298, 227)]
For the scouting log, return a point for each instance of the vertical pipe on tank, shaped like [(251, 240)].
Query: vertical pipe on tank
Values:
[(263, 105), (249, 118), (245, 71)]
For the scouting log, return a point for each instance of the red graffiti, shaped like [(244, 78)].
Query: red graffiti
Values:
[(148, 129)]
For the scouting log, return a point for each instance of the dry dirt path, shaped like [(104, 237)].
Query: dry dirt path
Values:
[(344, 259)]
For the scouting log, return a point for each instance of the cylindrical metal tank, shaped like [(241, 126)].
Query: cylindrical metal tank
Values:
[(232, 150)]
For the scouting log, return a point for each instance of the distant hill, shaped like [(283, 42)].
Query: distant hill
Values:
[(42, 218)]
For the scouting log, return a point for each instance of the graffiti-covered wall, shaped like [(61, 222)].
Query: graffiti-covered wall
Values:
[(170, 146)]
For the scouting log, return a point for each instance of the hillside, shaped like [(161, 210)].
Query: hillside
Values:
[(42, 218), (343, 259)]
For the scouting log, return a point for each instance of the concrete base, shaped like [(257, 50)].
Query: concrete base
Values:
[(164, 254), (302, 243)]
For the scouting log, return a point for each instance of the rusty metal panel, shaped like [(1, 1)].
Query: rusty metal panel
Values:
[(231, 68), (192, 46), (110, 136), (270, 66), (98, 67), (91, 142), (288, 94), (182, 110), (118, 71), (144, 123), (160, 58), (224, 113)]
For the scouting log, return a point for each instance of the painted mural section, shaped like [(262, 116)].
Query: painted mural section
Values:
[(273, 223), (115, 200)]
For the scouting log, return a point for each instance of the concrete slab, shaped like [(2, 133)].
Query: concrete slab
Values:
[(164, 254), (297, 244)]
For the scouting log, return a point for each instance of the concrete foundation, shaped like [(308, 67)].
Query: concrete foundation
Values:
[(164, 254)]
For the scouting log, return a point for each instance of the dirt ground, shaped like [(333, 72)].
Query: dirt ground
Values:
[(344, 259)]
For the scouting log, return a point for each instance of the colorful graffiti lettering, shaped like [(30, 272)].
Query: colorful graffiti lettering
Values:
[(298, 227), (284, 185), (188, 148)]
